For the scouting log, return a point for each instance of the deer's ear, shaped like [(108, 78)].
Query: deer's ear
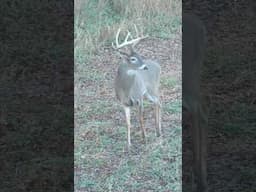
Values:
[(143, 57), (122, 56)]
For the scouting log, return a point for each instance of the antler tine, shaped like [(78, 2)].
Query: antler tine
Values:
[(127, 36), (137, 33), (117, 37), (132, 42)]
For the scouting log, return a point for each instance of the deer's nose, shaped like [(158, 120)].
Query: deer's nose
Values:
[(143, 67)]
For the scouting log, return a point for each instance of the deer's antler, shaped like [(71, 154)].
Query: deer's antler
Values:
[(126, 42)]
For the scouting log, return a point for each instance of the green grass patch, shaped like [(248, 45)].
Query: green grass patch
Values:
[(168, 82), (94, 110), (173, 107), (150, 167)]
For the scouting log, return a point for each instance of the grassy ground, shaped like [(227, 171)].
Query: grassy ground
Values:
[(102, 162)]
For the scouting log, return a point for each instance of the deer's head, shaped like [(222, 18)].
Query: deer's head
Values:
[(132, 58)]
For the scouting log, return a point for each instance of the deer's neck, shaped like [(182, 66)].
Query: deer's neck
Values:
[(125, 70)]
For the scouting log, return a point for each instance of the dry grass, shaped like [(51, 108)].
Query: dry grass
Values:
[(141, 8), (97, 21)]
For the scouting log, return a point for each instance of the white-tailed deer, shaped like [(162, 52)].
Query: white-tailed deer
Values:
[(137, 78), (194, 41)]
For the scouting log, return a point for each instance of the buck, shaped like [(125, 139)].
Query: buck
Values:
[(137, 78), (194, 41)]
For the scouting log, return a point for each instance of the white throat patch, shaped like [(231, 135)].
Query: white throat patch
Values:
[(131, 72)]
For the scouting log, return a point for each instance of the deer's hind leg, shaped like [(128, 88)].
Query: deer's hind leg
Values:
[(143, 131), (157, 104), (158, 118)]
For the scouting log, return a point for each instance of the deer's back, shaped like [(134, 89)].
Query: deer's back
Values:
[(151, 77)]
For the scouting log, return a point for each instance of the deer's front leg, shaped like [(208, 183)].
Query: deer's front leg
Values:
[(128, 122), (158, 119), (141, 108)]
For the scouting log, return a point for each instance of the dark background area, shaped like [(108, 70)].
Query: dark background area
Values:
[(228, 78), (36, 96)]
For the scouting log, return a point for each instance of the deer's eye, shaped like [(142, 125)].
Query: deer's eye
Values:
[(133, 59)]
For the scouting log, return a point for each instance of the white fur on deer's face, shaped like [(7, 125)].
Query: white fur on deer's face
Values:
[(135, 61)]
